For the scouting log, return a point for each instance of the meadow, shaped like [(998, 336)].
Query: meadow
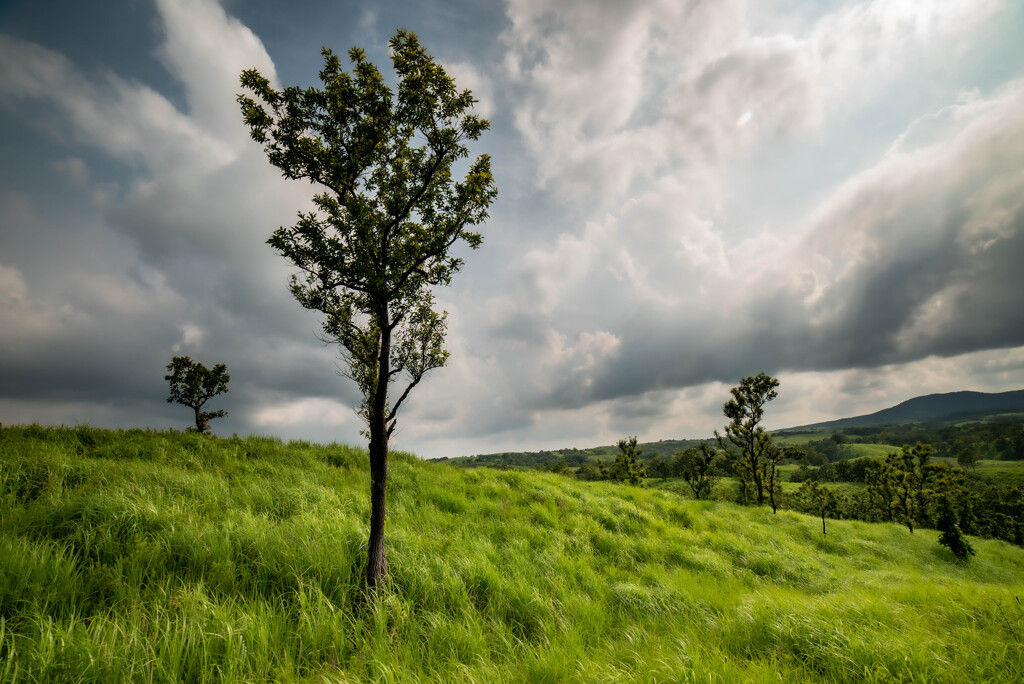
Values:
[(165, 556)]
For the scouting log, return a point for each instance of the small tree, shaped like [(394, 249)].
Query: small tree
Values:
[(745, 432), (773, 458), (658, 466), (386, 221), (818, 500), (694, 466), (967, 458), (627, 464), (948, 523), (589, 472), (880, 496), (908, 471), (193, 384)]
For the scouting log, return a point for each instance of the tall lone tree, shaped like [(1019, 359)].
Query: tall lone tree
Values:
[(193, 384), (388, 215), (745, 433)]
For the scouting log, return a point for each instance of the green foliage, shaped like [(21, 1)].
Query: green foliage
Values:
[(574, 457), (162, 556), (627, 464), (695, 467), (751, 444), (994, 438), (193, 384), (658, 466), (948, 524), (968, 458), (818, 500), (386, 221), (907, 473), (589, 472)]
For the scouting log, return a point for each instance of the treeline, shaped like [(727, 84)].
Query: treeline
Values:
[(999, 440), (571, 457), (909, 488)]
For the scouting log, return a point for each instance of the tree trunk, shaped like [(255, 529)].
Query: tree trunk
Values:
[(755, 463), (376, 557)]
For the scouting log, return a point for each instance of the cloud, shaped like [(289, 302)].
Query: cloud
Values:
[(913, 257), (170, 257), (616, 293), (469, 77)]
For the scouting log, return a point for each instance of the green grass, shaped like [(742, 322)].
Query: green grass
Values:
[(160, 557), (879, 451), (997, 472)]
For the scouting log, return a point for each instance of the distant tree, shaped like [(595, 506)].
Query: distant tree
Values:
[(627, 464), (745, 434), (773, 457), (880, 490), (950, 534), (193, 384), (658, 466), (695, 467), (813, 457), (385, 223), (559, 467), (819, 500), (908, 471), (968, 458), (589, 472)]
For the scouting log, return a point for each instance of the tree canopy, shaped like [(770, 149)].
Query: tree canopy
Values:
[(193, 384)]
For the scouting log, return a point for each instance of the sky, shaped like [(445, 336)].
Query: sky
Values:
[(689, 193)]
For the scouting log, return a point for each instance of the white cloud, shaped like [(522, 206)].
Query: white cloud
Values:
[(308, 413), (468, 76), (207, 50)]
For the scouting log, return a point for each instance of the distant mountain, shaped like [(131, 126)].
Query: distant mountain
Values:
[(948, 407)]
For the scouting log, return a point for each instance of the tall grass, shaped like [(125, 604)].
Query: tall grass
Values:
[(164, 556)]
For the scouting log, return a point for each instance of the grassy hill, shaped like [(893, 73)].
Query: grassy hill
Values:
[(155, 556), (951, 407)]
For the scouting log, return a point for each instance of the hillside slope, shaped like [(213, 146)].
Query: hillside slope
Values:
[(141, 556), (942, 407)]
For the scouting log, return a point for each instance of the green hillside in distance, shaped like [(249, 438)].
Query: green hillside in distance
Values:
[(934, 409), (166, 556)]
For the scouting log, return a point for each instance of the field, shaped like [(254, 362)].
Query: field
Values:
[(996, 472), (160, 557), (879, 451)]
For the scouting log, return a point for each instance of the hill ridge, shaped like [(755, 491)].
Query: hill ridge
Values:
[(936, 406)]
